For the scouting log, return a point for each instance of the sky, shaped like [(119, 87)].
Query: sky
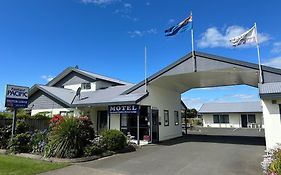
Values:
[(40, 38)]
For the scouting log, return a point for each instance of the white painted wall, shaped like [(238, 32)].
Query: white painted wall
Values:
[(234, 120), (272, 123), (115, 121), (55, 111), (76, 86), (163, 99)]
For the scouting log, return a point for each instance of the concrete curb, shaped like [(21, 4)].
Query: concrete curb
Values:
[(64, 160)]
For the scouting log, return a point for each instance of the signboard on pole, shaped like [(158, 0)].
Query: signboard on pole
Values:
[(123, 109), (16, 96)]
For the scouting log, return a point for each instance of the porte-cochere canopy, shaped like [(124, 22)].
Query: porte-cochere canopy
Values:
[(206, 70)]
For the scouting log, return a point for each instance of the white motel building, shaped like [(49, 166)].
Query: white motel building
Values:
[(152, 112), (232, 115)]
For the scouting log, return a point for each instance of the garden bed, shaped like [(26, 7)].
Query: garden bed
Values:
[(67, 160), (68, 139)]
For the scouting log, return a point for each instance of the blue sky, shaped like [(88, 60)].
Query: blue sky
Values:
[(40, 38)]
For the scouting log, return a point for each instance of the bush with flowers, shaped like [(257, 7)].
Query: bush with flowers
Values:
[(68, 136), (271, 164)]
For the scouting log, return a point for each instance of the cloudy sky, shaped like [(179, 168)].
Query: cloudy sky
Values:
[(40, 38)]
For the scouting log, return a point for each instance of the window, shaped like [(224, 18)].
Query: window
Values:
[(85, 86), (176, 115), (67, 113), (221, 118), (128, 123), (166, 118), (216, 118), (224, 118), (251, 118)]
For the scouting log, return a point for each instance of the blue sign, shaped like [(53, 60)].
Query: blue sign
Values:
[(124, 109), (16, 96)]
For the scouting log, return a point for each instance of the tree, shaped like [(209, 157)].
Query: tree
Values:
[(191, 113)]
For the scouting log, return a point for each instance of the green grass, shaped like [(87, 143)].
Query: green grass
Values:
[(13, 165)]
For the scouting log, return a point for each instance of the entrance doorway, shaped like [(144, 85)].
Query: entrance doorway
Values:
[(155, 126), (244, 121), (102, 120)]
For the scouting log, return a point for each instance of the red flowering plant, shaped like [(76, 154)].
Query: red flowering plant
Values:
[(87, 128), (57, 119)]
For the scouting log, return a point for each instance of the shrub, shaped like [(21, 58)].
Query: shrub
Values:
[(94, 149), (272, 161), (39, 141), (67, 138), (87, 130), (20, 143), (5, 133), (113, 139), (6, 115), (22, 127)]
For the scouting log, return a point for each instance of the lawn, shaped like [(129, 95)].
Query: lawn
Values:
[(13, 165)]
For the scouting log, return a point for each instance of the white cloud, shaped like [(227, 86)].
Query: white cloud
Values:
[(128, 5), (274, 62), (276, 48), (213, 37), (47, 77), (243, 97), (125, 12), (140, 33), (99, 2)]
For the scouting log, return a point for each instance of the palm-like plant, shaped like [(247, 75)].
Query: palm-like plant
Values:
[(67, 139)]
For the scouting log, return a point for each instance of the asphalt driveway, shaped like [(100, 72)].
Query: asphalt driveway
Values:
[(192, 154)]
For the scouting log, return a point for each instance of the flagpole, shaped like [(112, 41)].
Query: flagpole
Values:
[(192, 36), (259, 59), (192, 44), (145, 60)]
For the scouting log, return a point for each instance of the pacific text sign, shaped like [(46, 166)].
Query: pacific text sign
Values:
[(123, 109), (16, 96)]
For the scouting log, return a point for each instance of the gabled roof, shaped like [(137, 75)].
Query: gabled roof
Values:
[(106, 96), (91, 75), (65, 96), (268, 90), (203, 55), (237, 107)]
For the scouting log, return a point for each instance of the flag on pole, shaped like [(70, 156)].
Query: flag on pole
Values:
[(186, 24), (247, 37)]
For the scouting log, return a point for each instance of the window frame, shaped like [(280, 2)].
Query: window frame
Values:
[(84, 86), (221, 118), (166, 118)]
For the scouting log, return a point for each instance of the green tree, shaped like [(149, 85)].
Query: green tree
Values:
[(191, 113)]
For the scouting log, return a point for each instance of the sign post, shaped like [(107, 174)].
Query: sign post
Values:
[(16, 97)]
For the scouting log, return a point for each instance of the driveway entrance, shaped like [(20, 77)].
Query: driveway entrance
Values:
[(193, 154)]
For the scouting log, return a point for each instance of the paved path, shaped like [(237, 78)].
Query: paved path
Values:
[(193, 154)]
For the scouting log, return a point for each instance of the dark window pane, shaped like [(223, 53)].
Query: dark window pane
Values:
[(216, 119), (251, 118), (86, 86), (224, 119)]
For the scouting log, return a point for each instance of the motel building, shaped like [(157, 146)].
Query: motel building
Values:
[(232, 115), (151, 112)]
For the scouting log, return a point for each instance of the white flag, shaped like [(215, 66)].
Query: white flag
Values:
[(247, 37)]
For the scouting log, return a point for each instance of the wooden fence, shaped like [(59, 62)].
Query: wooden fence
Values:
[(35, 124)]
